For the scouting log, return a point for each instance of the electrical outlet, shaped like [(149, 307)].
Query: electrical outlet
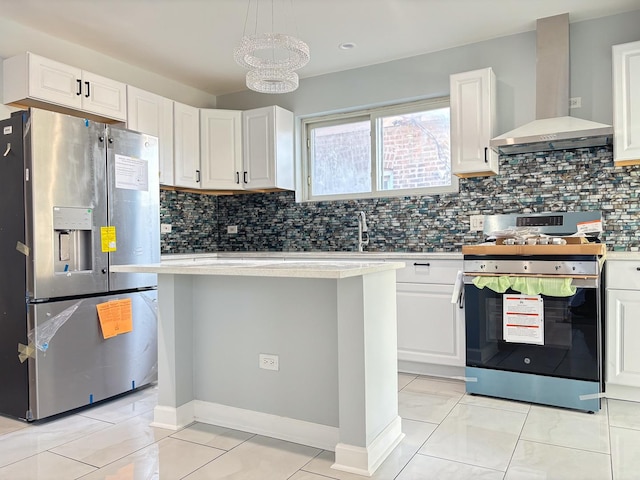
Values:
[(575, 102), (476, 223), (165, 228), (232, 229), (269, 362)]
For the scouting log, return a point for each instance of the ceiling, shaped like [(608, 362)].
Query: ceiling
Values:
[(192, 41)]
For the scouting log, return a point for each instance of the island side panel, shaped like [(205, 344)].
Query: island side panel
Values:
[(175, 347), (367, 348), (295, 318)]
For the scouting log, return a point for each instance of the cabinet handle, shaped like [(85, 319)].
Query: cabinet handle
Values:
[(638, 269), (485, 155), (79, 92), (88, 89), (197, 176), (461, 299), (421, 264), (244, 177), (238, 178)]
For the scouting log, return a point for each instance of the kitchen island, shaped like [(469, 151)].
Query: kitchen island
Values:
[(329, 328)]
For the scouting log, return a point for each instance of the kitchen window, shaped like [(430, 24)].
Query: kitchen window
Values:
[(388, 151)]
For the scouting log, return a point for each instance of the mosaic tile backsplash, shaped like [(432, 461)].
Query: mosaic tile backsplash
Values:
[(570, 180)]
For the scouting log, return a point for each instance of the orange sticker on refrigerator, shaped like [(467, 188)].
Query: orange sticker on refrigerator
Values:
[(108, 239), (115, 317)]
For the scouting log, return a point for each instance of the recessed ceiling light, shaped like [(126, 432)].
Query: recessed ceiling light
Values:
[(347, 46)]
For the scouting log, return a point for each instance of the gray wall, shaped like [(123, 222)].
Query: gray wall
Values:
[(427, 76)]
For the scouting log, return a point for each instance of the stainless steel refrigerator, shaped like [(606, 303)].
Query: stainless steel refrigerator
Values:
[(76, 197)]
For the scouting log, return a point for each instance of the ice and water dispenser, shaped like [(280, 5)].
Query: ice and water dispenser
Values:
[(72, 239)]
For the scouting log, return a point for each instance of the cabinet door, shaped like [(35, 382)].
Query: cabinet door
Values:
[(54, 82), (221, 149), (626, 103), (472, 123), (186, 131), (103, 96), (430, 327), (623, 337), (259, 147), (152, 114)]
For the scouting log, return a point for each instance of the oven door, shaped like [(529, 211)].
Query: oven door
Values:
[(569, 345)]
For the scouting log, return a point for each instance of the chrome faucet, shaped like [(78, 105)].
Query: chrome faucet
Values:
[(363, 232)]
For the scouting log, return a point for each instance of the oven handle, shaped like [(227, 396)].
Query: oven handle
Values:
[(583, 281)]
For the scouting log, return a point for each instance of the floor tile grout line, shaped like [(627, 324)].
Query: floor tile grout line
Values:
[(609, 432), (301, 469), (526, 417), (73, 460), (463, 463), (564, 446), (193, 442), (417, 452)]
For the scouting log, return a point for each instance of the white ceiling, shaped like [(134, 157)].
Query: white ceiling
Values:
[(192, 41)]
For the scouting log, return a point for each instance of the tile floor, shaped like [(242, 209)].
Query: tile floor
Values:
[(449, 435)]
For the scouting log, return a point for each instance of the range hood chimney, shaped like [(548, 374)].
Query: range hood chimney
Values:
[(553, 128)]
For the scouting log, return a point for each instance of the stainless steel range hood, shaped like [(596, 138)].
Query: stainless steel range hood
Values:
[(553, 128)]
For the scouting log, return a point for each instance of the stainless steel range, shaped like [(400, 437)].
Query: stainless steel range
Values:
[(534, 303)]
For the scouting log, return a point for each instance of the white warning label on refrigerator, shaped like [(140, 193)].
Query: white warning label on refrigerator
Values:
[(523, 318), (132, 173)]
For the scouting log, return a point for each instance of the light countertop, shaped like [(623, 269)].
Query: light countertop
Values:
[(268, 267), (359, 256), (623, 256)]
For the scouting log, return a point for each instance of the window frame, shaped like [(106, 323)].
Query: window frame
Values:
[(375, 116)]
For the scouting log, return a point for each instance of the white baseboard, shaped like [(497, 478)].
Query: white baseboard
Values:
[(284, 428), (173, 418), (365, 460), (622, 392)]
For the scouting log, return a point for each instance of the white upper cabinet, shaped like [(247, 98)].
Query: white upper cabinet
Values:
[(221, 149), (268, 148), (186, 137), (152, 114), (626, 104), (33, 80), (473, 115)]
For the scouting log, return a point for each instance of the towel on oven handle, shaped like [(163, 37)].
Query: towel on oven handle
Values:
[(551, 287)]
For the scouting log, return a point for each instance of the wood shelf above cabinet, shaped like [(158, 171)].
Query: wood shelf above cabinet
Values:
[(220, 192)]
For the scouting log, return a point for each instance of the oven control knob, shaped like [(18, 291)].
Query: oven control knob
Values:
[(557, 267), (527, 360), (525, 267)]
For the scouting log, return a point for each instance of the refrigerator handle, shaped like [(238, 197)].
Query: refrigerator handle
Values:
[(79, 92)]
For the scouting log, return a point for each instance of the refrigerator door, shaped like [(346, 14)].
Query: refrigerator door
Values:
[(73, 365), (65, 205), (13, 261), (134, 198)]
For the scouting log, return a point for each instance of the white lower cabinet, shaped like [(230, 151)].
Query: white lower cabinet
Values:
[(430, 327), (622, 320)]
